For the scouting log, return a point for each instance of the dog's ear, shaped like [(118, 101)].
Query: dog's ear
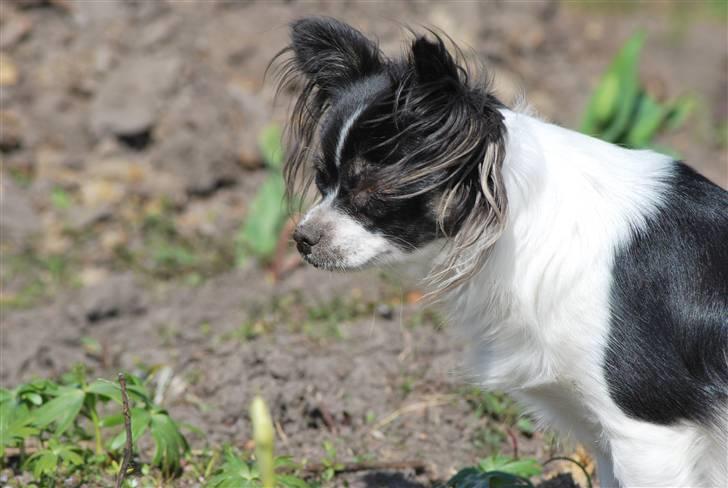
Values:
[(433, 63), (332, 54)]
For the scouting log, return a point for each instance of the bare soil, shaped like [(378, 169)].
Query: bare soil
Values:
[(123, 118)]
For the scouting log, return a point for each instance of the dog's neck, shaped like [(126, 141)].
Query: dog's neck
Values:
[(572, 201)]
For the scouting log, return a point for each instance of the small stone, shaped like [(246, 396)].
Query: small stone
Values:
[(114, 297), (93, 276), (248, 154), (14, 30), (89, 13), (81, 217), (11, 133), (9, 74), (130, 99), (18, 218), (101, 192), (158, 31), (53, 166), (385, 311), (112, 239)]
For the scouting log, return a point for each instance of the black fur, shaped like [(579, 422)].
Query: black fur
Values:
[(668, 347), (417, 113)]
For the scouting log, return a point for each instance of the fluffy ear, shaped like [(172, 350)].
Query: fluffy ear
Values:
[(433, 63), (332, 54)]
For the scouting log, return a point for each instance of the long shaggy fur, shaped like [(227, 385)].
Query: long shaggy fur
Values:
[(431, 100)]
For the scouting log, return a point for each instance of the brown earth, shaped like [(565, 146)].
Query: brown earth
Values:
[(123, 119)]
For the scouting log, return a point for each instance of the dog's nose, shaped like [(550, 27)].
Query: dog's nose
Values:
[(306, 238)]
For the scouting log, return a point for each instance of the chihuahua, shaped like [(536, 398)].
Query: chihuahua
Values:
[(590, 280)]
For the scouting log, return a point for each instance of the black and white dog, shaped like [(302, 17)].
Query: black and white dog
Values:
[(592, 280)]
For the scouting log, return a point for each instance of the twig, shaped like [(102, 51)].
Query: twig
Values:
[(327, 418), (127, 426), (434, 401), (281, 432), (418, 466), (572, 460), (282, 264), (514, 441)]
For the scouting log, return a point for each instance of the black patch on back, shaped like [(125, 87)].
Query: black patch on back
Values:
[(667, 357)]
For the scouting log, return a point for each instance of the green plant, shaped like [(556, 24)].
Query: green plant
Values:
[(330, 463), (64, 419), (60, 198), (526, 467), (474, 478), (238, 473), (35, 276), (488, 438), (235, 472), (46, 461), (259, 234), (498, 406), (496, 472), (623, 112)]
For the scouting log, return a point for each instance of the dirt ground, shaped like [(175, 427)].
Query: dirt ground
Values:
[(129, 157)]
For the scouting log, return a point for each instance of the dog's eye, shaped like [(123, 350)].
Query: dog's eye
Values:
[(361, 198), (322, 177), (321, 181)]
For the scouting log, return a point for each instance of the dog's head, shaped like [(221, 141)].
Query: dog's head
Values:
[(402, 152)]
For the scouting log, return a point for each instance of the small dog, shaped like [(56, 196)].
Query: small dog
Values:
[(592, 280)]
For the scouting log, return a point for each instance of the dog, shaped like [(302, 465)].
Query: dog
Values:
[(590, 280)]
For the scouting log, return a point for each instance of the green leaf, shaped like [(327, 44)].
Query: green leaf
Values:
[(15, 426), (111, 420), (608, 117), (5, 395), (474, 478), (70, 455), (626, 65), (62, 410), (60, 199), (140, 419), (290, 481), (266, 215), (680, 110), (46, 463), (604, 102), (525, 425), (525, 467), (112, 390), (271, 147), (649, 118), (170, 444)]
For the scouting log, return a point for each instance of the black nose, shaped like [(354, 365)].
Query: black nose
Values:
[(306, 238)]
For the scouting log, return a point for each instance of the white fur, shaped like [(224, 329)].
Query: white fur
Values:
[(538, 311), (345, 132), (347, 242)]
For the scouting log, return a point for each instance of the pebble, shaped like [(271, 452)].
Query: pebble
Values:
[(14, 30), (11, 135), (129, 101), (9, 74), (385, 311)]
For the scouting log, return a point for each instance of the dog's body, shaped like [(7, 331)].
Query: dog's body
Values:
[(591, 279), (599, 309)]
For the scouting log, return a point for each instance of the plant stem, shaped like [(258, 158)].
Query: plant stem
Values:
[(97, 431)]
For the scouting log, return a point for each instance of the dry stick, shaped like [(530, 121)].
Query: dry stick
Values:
[(419, 466), (127, 426), (514, 442), (433, 401)]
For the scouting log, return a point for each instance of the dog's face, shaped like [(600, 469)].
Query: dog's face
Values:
[(396, 148)]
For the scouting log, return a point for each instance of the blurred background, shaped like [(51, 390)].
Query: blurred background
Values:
[(141, 224)]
